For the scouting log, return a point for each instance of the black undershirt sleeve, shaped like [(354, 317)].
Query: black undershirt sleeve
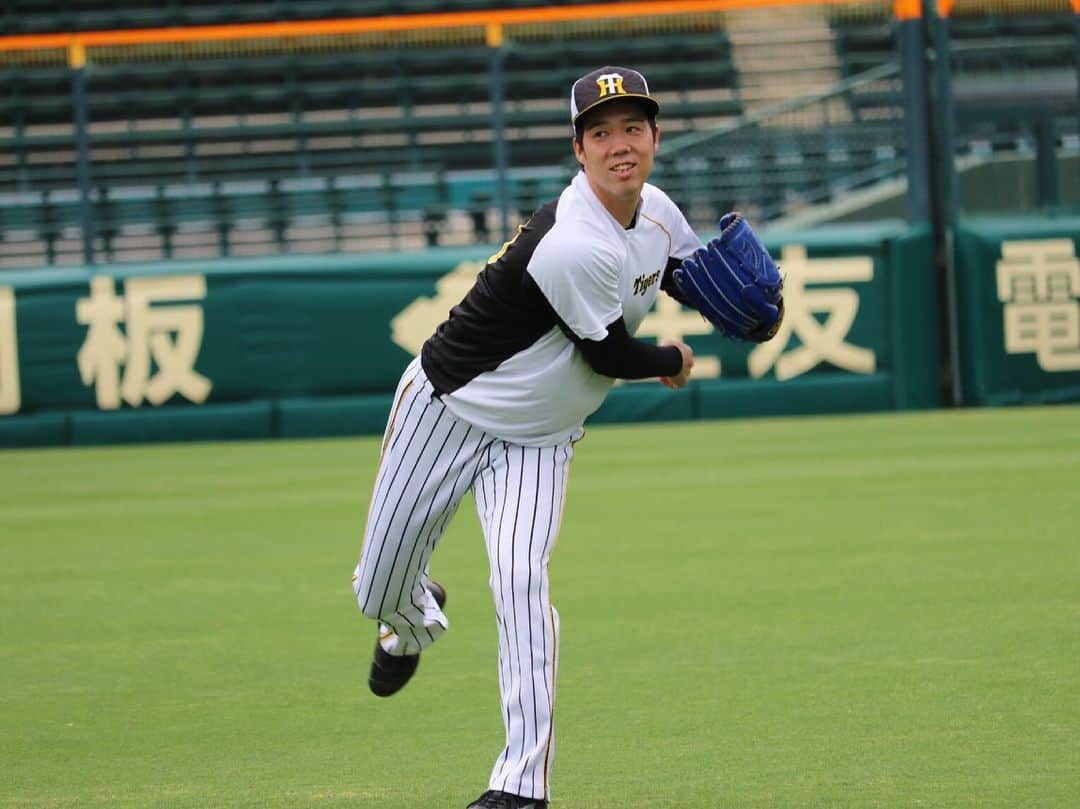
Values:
[(622, 356)]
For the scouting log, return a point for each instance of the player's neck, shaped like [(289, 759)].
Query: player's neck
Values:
[(625, 215), (623, 209)]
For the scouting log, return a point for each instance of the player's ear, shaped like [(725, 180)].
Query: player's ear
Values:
[(579, 150)]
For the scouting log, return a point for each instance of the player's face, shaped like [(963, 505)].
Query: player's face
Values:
[(617, 149)]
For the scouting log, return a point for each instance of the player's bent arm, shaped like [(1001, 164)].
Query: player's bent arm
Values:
[(618, 354), (622, 356)]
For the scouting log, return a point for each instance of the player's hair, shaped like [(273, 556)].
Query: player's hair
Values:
[(579, 127)]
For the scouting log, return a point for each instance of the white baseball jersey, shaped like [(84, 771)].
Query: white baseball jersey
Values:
[(502, 360), (494, 405)]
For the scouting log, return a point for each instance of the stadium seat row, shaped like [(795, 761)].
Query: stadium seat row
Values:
[(399, 139)]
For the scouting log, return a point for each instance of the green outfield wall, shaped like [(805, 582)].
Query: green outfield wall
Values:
[(1018, 281), (294, 346)]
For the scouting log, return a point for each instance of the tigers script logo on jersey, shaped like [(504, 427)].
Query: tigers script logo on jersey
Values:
[(643, 282), (610, 84)]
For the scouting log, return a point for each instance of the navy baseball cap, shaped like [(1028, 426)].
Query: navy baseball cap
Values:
[(608, 84)]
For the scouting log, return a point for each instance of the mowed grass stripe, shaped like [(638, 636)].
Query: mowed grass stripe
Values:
[(858, 611)]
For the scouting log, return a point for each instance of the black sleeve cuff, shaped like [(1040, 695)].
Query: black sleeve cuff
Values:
[(668, 285)]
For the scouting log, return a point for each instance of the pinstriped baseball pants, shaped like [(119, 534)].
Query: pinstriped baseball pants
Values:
[(430, 461)]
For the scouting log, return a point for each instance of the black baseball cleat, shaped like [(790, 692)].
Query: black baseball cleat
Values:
[(390, 673), (493, 799), (438, 592)]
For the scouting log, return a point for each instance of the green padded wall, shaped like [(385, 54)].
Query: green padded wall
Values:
[(302, 346), (1018, 280)]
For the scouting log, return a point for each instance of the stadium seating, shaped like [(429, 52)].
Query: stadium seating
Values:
[(767, 171), (195, 136), (304, 115), (1013, 81), (392, 145)]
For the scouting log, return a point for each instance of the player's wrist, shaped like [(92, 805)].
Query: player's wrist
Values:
[(676, 359)]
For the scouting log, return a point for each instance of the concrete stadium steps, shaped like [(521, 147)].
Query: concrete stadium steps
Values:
[(782, 55)]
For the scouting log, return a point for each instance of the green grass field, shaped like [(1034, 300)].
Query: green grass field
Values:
[(873, 611)]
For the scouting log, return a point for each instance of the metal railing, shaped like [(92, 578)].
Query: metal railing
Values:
[(790, 154)]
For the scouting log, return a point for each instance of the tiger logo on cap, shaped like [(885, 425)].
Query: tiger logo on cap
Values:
[(610, 84)]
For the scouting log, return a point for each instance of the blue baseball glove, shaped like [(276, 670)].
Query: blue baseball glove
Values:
[(734, 283)]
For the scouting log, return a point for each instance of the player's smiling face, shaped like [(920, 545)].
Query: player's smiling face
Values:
[(617, 149)]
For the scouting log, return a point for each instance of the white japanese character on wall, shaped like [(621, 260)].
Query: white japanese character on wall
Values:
[(1039, 281), (9, 354), (822, 340), (157, 348)]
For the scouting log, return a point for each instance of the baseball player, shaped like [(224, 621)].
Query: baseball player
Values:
[(496, 401)]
